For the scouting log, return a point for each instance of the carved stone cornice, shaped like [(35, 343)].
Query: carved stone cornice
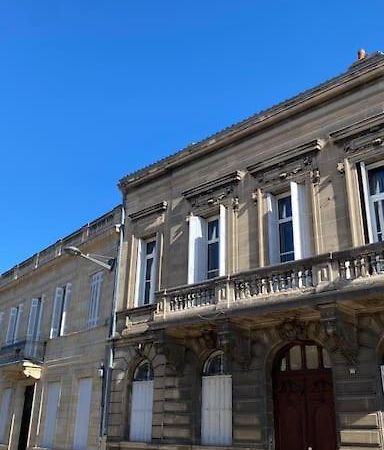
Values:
[(213, 192), (288, 164), (154, 209), (341, 330), (358, 129)]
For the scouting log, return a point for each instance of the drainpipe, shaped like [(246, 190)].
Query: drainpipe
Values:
[(106, 391)]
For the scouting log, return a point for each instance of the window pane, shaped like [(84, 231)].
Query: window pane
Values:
[(286, 237), (376, 180), (213, 256), (285, 207), (312, 356), (295, 358), (147, 292), (213, 229), (326, 359), (215, 365), (148, 269), (150, 247), (283, 365), (144, 372)]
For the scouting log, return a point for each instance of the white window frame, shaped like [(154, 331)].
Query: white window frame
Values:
[(210, 242), (198, 246), (61, 303), (5, 409), (83, 414), (52, 401), (14, 325), (283, 221), (96, 284), (141, 274), (300, 222), (369, 201)]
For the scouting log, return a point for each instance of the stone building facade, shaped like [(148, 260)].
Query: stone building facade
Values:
[(251, 306), (55, 318)]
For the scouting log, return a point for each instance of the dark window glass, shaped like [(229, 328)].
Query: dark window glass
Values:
[(143, 372), (215, 365), (213, 229), (150, 247), (376, 180), (285, 207)]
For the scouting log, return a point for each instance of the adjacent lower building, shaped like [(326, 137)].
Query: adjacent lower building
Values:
[(55, 319), (251, 300)]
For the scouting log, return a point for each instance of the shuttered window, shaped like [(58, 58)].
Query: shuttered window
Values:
[(5, 406), (51, 408), (207, 247), (94, 299), (141, 404), (216, 402), (34, 326), (146, 271), (14, 325), (288, 225), (1, 326), (83, 408), (60, 313)]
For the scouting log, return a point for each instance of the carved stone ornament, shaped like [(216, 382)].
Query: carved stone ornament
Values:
[(342, 333), (340, 167), (212, 199), (293, 330), (235, 343), (173, 350)]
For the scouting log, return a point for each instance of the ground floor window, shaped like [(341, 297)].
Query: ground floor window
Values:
[(141, 403), (216, 402)]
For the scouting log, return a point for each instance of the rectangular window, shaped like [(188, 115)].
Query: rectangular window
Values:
[(213, 240), (216, 419), (94, 299), (34, 326), (59, 323), (207, 247), (51, 408), (288, 225), (140, 429), (373, 188), (5, 407), (14, 325), (284, 208), (146, 271), (83, 409)]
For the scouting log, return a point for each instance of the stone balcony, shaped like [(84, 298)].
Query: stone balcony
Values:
[(322, 278), (22, 359)]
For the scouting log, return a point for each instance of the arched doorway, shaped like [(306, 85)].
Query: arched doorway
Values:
[(303, 398)]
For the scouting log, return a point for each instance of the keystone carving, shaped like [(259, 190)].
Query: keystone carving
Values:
[(174, 351), (293, 330), (342, 332)]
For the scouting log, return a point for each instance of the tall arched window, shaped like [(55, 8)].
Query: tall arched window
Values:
[(141, 403), (216, 402)]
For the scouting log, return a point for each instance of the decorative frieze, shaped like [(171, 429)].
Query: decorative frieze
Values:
[(153, 209)]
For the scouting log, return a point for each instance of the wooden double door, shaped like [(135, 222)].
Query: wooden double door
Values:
[(304, 405)]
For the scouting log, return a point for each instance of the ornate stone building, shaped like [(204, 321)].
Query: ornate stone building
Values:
[(251, 303), (55, 317)]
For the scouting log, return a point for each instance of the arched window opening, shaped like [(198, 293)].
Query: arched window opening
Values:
[(143, 372), (302, 356), (214, 365), (141, 403), (216, 402)]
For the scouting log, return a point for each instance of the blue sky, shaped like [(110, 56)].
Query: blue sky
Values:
[(91, 90)]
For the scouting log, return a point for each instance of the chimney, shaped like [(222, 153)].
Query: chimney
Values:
[(361, 54)]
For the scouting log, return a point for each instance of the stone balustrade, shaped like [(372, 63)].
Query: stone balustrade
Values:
[(328, 271), (28, 350)]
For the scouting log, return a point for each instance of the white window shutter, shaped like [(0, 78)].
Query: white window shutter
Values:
[(40, 317), (139, 285), (140, 429), (223, 241), (99, 282), (216, 414), (80, 440), (18, 322), (273, 229), (11, 326), (33, 319), (367, 203), (154, 277), (56, 314), (94, 300), (300, 220), (197, 250), (1, 326), (51, 408), (4, 414), (66, 305)]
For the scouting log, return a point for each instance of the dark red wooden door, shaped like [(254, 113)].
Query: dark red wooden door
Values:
[(304, 407)]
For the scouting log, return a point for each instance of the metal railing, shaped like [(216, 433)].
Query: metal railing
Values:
[(27, 350)]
